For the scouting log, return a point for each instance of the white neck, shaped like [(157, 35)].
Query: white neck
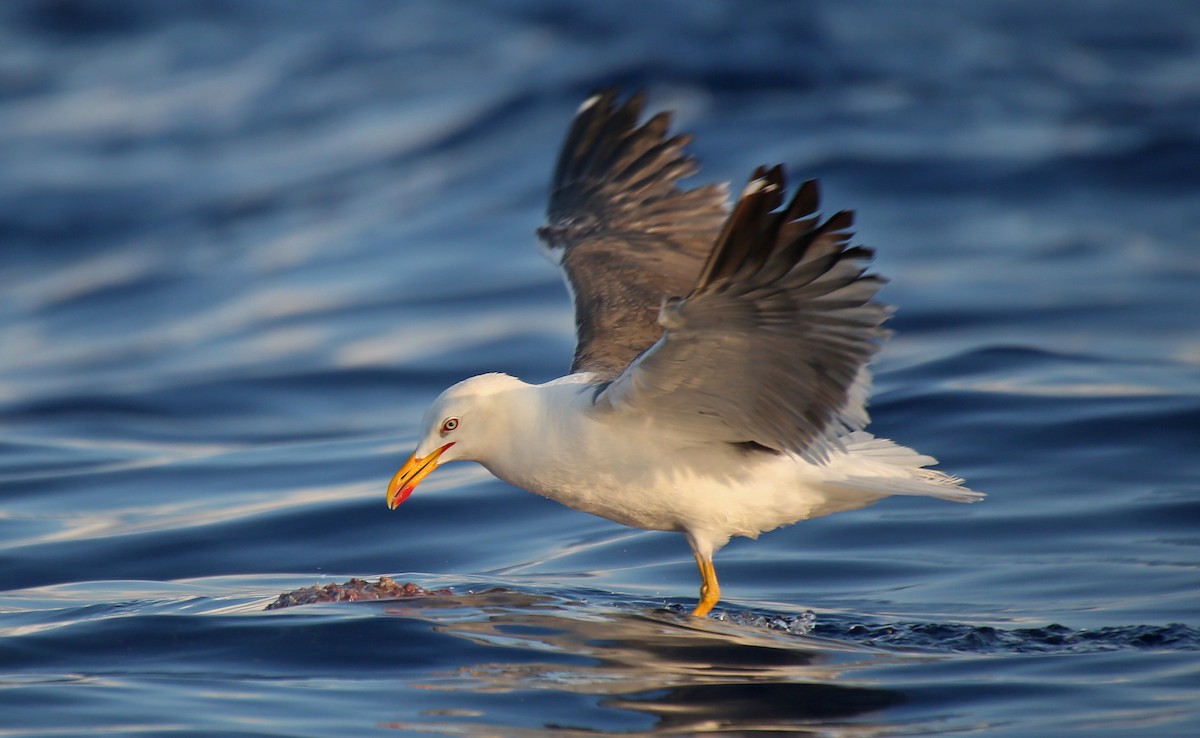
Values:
[(535, 427)]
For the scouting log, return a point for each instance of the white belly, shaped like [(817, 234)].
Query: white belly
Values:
[(623, 467), (645, 482)]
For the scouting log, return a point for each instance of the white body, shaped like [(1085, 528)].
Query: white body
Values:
[(622, 465)]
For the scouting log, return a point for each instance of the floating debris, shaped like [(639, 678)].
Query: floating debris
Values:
[(352, 591)]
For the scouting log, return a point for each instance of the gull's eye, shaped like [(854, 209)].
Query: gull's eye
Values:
[(449, 424)]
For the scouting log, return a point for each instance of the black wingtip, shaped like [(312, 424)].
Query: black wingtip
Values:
[(601, 122), (741, 242), (760, 234), (616, 172)]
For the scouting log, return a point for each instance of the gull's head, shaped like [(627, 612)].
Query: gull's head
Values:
[(459, 425)]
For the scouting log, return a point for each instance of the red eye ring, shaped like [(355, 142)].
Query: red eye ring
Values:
[(449, 424)]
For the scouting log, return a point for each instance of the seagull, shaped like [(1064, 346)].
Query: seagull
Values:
[(719, 382)]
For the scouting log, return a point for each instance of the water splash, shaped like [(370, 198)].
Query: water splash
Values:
[(965, 638), (951, 637)]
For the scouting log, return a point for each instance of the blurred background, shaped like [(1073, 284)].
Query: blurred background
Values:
[(244, 244)]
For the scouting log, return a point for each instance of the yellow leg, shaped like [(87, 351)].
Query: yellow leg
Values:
[(710, 591)]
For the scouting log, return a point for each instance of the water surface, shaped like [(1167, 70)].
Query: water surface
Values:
[(243, 246)]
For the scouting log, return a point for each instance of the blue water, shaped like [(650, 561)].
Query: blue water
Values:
[(243, 245)]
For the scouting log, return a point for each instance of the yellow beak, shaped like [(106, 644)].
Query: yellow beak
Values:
[(410, 475)]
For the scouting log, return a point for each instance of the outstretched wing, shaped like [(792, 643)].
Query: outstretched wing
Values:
[(624, 233), (771, 345)]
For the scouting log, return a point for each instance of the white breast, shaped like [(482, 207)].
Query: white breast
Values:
[(623, 467)]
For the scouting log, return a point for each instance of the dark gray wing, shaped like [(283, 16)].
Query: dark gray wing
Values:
[(771, 345), (624, 233)]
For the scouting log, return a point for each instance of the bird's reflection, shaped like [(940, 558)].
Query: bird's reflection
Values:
[(692, 675)]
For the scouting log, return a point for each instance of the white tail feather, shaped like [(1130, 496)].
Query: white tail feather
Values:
[(901, 471)]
